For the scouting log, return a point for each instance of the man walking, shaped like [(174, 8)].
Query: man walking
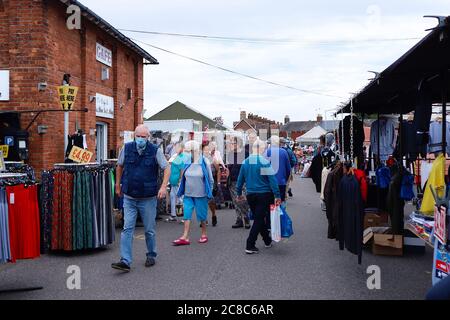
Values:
[(281, 164), (292, 160), (137, 179), (262, 191)]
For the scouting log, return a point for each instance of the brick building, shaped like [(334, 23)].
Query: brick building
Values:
[(37, 47), (264, 127)]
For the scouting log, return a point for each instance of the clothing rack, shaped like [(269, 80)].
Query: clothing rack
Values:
[(25, 289)]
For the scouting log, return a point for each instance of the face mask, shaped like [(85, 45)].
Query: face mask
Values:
[(141, 142)]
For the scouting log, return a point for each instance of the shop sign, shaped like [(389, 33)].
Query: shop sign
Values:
[(4, 85), (440, 224), (67, 97), (9, 140), (80, 155), (104, 106), (5, 150), (104, 55)]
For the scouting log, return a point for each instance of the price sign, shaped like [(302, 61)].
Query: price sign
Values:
[(440, 224), (67, 97), (80, 155), (5, 150)]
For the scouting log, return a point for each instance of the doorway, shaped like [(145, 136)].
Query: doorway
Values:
[(102, 141)]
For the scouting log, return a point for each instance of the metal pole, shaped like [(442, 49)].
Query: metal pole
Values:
[(66, 131)]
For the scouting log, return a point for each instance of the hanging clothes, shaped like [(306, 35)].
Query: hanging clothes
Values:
[(411, 150), (395, 203), (351, 216), (425, 169), (436, 137), (332, 200), (382, 132), (5, 247), (325, 173), (361, 177), (437, 181), (358, 135)]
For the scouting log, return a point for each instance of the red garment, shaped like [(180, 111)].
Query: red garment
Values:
[(360, 175), (24, 224), (62, 211)]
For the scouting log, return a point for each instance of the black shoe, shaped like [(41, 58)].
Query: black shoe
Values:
[(214, 221), (238, 224), (290, 193), (122, 266), (247, 223), (150, 262), (268, 246), (253, 250)]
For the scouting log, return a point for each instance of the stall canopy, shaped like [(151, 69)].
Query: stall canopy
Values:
[(312, 136), (396, 89)]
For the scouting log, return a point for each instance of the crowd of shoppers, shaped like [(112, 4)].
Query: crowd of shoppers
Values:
[(256, 174)]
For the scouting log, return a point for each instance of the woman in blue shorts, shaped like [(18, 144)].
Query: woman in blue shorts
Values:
[(196, 186)]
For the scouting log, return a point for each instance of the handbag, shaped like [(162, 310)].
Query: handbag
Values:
[(286, 224), (275, 223)]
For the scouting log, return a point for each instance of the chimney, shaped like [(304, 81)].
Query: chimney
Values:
[(287, 120), (243, 115), (319, 118)]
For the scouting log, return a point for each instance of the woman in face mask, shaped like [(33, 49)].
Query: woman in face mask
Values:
[(196, 186)]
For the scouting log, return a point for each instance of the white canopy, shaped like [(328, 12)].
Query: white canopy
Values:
[(312, 136)]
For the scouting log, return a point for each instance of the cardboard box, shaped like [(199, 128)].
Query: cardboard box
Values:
[(387, 245), (371, 220)]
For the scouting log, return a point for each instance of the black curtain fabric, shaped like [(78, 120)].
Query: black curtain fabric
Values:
[(408, 139), (351, 216), (77, 209), (358, 136), (422, 115), (316, 171)]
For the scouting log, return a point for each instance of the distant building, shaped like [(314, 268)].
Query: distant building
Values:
[(180, 111), (295, 129), (253, 123)]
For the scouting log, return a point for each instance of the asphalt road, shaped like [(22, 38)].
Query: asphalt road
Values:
[(308, 266)]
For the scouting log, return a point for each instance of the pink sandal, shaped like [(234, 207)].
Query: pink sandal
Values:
[(203, 239), (181, 242)]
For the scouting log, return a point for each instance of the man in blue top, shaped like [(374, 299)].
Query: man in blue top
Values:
[(281, 164), (137, 175), (292, 159), (262, 191)]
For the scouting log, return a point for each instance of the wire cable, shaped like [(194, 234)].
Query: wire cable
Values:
[(266, 40), (239, 73)]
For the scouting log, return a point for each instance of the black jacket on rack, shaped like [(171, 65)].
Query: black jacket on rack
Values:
[(408, 139), (324, 158), (422, 115), (395, 203), (331, 198), (358, 135), (351, 216)]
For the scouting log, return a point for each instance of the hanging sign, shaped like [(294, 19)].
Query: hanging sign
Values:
[(2, 161), (104, 55), (80, 155), (440, 224), (67, 97), (4, 85), (104, 106), (5, 150)]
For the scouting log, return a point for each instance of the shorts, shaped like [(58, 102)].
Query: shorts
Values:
[(199, 204)]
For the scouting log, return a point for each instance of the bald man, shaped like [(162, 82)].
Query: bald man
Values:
[(137, 175)]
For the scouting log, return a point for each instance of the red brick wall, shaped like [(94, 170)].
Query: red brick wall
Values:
[(36, 44)]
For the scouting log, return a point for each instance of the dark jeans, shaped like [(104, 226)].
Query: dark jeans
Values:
[(282, 192), (260, 205), (440, 291)]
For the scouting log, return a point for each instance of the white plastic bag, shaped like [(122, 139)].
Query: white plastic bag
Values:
[(275, 223)]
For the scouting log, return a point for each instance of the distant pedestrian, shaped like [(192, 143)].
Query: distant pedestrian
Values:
[(177, 164), (234, 162), (281, 164), (293, 162), (196, 187), (137, 179), (262, 191)]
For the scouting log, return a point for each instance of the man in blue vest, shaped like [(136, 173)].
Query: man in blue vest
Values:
[(137, 175)]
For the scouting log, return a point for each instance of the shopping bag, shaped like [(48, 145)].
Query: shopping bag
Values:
[(286, 224), (275, 223)]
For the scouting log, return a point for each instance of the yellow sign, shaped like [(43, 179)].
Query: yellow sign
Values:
[(80, 155), (5, 149), (67, 97)]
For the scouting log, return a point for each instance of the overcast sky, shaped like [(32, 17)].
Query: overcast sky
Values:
[(331, 54)]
